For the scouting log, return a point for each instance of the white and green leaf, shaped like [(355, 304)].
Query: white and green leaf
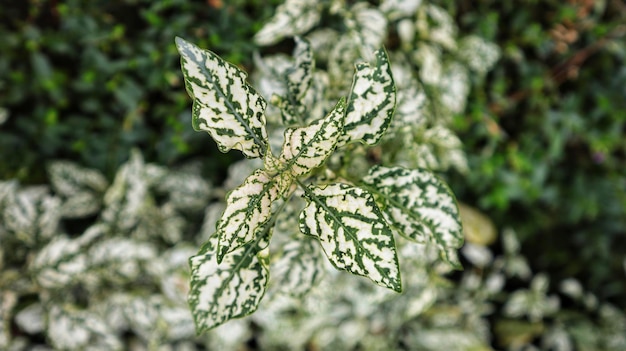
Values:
[(126, 199), (299, 268), (81, 204), (68, 178), (371, 102), (306, 148), (353, 233), (32, 215), (293, 17), (479, 54), (368, 27), (70, 328), (224, 104), (230, 289), (298, 80), (248, 208), (420, 206)]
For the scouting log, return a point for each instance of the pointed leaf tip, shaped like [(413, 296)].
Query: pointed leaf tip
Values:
[(224, 104)]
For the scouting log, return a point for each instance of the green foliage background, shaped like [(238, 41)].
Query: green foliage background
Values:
[(544, 134), (89, 80)]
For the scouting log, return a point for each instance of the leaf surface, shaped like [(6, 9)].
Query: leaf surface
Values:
[(371, 102), (308, 147), (420, 206), (298, 79), (230, 289), (299, 268), (248, 209), (352, 232), (292, 18), (224, 104)]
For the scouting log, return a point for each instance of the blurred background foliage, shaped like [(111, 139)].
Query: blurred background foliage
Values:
[(544, 133), (89, 80)]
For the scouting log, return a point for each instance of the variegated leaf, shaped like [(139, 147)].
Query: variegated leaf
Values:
[(298, 80), (299, 268), (32, 215), (119, 259), (308, 147), (454, 86), (371, 102), (127, 197), (479, 54), (230, 289), (368, 27), (420, 206), (248, 209), (63, 261), (186, 190), (81, 204), (224, 104), (352, 232), (68, 178), (293, 17), (72, 329)]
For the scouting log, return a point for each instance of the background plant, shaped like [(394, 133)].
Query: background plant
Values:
[(546, 130), (90, 80)]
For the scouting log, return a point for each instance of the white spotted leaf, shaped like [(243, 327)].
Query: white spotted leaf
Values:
[(353, 233), (420, 206), (299, 268), (371, 102), (224, 104), (248, 209), (298, 79), (306, 148), (230, 289), (292, 18)]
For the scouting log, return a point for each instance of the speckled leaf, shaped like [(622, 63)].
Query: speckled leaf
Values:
[(64, 260), (230, 289), (308, 147), (420, 206), (368, 27), (293, 17), (371, 102), (299, 268), (32, 215), (68, 178), (248, 209), (224, 104), (70, 328), (298, 79), (352, 232), (126, 199)]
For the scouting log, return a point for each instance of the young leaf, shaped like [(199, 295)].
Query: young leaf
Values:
[(420, 206), (308, 147), (353, 233), (224, 105), (230, 289), (298, 79), (371, 102), (248, 209)]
